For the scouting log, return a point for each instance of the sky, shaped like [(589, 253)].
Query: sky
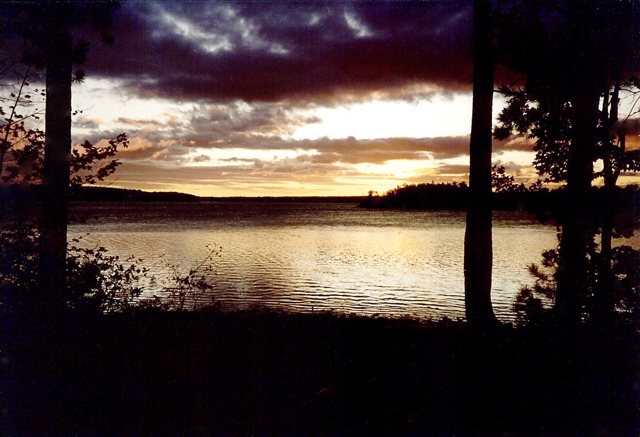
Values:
[(288, 98)]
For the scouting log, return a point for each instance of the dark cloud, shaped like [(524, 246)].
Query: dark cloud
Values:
[(215, 121), (169, 165), (512, 167), (239, 177), (378, 151), (452, 169), (86, 123), (322, 151), (198, 159), (148, 122), (515, 143), (259, 51)]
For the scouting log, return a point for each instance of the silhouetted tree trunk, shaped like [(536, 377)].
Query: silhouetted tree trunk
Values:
[(44, 29), (59, 69), (604, 300), (577, 228), (478, 252)]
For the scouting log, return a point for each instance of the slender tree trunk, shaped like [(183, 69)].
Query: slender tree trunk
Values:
[(59, 59), (605, 301), (478, 255)]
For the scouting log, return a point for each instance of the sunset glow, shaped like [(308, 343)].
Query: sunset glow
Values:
[(230, 99)]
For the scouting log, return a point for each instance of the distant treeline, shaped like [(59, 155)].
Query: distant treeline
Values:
[(109, 194), (456, 196), (9, 192), (356, 200)]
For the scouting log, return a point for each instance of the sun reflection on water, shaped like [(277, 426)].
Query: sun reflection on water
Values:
[(308, 257)]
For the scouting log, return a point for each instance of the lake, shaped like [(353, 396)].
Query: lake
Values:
[(319, 256)]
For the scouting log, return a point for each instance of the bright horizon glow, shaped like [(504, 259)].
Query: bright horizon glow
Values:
[(438, 117), (161, 125)]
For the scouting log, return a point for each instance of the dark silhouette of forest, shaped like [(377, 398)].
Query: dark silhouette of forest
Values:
[(421, 196), (88, 193), (542, 201), (84, 354)]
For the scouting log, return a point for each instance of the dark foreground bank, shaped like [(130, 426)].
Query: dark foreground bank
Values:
[(268, 373)]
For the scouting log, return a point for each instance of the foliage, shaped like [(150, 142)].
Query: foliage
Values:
[(192, 290), (21, 107), (86, 155), (98, 282), (564, 51), (507, 195), (26, 164), (422, 196), (627, 286), (19, 256), (576, 62), (553, 130), (535, 304), (22, 143), (503, 182), (28, 27)]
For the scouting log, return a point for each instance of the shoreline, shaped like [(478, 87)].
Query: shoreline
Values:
[(151, 372)]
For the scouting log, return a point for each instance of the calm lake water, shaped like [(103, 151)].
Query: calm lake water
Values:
[(326, 256)]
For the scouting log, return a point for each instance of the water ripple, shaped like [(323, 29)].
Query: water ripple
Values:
[(311, 257)]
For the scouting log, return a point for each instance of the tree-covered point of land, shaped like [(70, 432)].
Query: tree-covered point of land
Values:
[(421, 196), (506, 196)]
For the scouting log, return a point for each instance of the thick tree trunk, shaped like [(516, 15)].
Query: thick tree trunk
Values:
[(478, 255), (59, 58), (577, 229), (577, 226)]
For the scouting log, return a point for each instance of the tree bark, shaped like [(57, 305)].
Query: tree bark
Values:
[(605, 300), (59, 65), (577, 227), (478, 251)]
